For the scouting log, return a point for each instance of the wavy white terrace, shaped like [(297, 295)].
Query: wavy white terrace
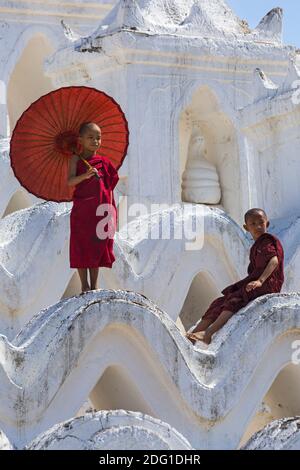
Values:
[(34, 247), (109, 430), (283, 434), (59, 358)]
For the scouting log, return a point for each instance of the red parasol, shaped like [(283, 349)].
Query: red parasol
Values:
[(45, 137)]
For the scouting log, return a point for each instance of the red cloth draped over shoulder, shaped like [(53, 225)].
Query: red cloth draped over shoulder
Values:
[(87, 249), (235, 296)]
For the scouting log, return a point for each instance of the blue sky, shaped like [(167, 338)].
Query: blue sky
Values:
[(254, 10)]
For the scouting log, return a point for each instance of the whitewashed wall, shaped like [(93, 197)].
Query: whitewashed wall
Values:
[(169, 68)]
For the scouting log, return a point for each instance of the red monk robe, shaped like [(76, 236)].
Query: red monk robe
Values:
[(235, 296), (87, 250)]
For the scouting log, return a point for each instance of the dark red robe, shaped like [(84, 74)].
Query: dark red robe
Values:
[(87, 250), (235, 296)]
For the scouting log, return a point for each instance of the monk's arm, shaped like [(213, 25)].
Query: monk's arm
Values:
[(72, 178), (271, 266)]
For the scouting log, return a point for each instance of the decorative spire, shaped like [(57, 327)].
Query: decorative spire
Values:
[(270, 27), (189, 17)]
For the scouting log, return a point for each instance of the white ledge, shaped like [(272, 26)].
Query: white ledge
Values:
[(67, 344)]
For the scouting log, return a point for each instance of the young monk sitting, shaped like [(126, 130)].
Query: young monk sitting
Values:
[(265, 276)]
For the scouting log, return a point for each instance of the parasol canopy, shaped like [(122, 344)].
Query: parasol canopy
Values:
[(46, 136)]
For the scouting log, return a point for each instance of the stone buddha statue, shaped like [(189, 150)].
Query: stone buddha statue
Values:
[(200, 180)]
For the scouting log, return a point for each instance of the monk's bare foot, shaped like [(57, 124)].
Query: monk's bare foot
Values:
[(201, 336), (191, 338), (85, 289)]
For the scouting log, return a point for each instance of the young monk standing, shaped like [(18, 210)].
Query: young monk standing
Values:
[(265, 276), (94, 187)]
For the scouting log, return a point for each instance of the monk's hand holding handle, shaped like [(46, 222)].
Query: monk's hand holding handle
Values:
[(91, 172)]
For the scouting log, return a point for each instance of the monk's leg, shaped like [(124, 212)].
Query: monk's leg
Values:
[(213, 311), (215, 326), (83, 278), (202, 326), (94, 277)]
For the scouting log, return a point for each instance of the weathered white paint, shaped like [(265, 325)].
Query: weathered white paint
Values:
[(174, 66), (42, 233), (181, 74), (8, 183), (141, 262), (205, 394), (30, 32), (109, 430), (4, 442), (34, 247), (283, 434)]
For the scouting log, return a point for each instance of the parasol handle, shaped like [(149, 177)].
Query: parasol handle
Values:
[(89, 166), (97, 176)]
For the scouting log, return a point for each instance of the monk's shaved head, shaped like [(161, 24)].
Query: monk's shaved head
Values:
[(88, 126), (253, 212)]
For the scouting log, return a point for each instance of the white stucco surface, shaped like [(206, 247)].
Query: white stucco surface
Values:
[(283, 434), (205, 394), (111, 430), (185, 72)]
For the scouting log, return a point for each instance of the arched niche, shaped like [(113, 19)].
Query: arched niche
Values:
[(28, 81), (115, 390), (201, 293), (281, 401), (204, 117), (19, 200)]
